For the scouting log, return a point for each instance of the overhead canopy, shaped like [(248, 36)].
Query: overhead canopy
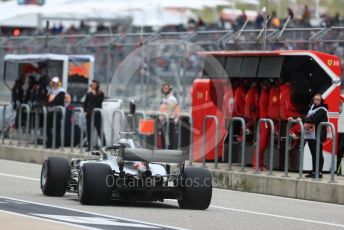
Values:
[(233, 14), (15, 15), (153, 17), (34, 58)]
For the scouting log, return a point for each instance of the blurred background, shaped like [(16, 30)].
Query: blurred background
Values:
[(110, 30), (27, 17)]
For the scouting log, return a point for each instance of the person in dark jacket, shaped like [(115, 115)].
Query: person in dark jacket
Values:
[(18, 98), (94, 99), (31, 91), (39, 93), (56, 98), (18, 93), (316, 114), (42, 91)]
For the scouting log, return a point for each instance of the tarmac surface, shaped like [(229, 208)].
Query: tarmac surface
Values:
[(15, 221), (19, 187)]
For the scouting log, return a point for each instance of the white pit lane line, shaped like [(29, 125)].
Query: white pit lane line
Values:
[(219, 207), (150, 225), (251, 194), (19, 177), (278, 216), (116, 217), (272, 215)]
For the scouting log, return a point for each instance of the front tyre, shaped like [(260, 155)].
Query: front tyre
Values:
[(54, 176), (196, 189), (95, 184)]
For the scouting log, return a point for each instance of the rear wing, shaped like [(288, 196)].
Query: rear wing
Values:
[(163, 156)]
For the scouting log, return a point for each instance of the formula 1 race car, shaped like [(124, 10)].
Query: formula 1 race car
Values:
[(126, 171)]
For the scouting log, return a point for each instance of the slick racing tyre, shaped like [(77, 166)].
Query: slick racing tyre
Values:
[(196, 189), (95, 183), (54, 176)]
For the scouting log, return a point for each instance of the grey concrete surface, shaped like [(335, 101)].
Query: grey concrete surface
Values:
[(229, 209), (17, 222), (248, 181), (70, 217)]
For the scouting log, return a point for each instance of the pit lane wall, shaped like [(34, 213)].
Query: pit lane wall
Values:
[(290, 187), (276, 185)]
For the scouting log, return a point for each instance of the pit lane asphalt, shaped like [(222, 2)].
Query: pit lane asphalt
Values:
[(228, 210)]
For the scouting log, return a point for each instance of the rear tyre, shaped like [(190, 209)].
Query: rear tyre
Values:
[(95, 184), (196, 189), (54, 176)]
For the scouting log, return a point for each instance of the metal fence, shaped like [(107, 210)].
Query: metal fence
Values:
[(184, 140), (33, 128)]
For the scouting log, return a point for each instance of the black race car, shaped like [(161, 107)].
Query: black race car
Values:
[(126, 171)]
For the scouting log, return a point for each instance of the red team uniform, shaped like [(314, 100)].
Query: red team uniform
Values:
[(251, 111), (269, 106), (288, 109), (264, 129), (239, 101)]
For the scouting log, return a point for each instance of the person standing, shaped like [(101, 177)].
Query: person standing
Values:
[(240, 99), (18, 93), (239, 103), (306, 17), (275, 21), (291, 17), (251, 108), (55, 98), (264, 128), (316, 114), (170, 106), (42, 91), (290, 13), (94, 99), (17, 97)]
